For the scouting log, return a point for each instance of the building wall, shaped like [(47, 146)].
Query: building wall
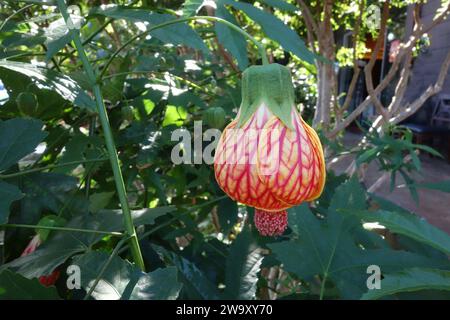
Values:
[(427, 65)]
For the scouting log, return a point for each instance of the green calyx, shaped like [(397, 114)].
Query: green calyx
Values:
[(270, 85)]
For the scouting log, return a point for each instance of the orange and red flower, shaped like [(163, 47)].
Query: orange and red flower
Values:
[(268, 157)]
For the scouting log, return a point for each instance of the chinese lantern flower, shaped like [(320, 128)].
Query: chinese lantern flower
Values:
[(268, 157), (48, 280)]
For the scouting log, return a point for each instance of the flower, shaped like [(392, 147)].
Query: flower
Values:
[(268, 157), (46, 280)]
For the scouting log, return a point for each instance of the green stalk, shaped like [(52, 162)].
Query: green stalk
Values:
[(53, 166), (15, 13), (261, 47), (31, 226), (112, 151)]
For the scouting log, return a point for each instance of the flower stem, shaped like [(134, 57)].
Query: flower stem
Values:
[(261, 47), (31, 226), (112, 151)]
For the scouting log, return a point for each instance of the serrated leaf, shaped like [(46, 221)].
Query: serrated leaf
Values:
[(45, 78), (192, 276), (19, 137), (233, 41), (161, 284), (411, 280), (242, 268), (8, 194), (65, 244), (367, 156), (411, 226), (275, 29), (177, 34), (443, 186), (13, 286), (122, 280), (327, 247), (48, 191)]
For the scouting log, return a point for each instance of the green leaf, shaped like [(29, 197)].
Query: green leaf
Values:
[(177, 34), (411, 280), (443, 186), (327, 246), (427, 149), (100, 200), (367, 156), (13, 286), (49, 255), (411, 226), (192, 276), (19, 137), (122, 280), (233, 41), (51, 220), (8, 194), (65, 244), (282, 5), (242, 267), (161, 284), (349, 195), (112, 220), (275, 29), (80, 148), (48, 191), (227, 212), (57, 44), (386, 204), (45, 78), (29, 40), (191, 7)]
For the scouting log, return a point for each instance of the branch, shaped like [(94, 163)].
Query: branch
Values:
[(429, 92), (356, 69), (402, 84), (369, 67), (403, 51), (309, 20)]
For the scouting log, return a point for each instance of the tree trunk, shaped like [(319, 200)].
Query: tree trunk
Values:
[(326, 94)]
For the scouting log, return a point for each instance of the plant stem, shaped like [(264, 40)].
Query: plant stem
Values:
[(13, 14), (168, 222), (187, 81), (30, 226), (53, 166), (261, 47), (88, 176), (112, 151), (322, 287)]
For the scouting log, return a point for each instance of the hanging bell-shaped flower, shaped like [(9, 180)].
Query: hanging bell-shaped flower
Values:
[(268, 157)]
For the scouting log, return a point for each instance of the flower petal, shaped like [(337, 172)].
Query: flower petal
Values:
[(290, 162), (235, 164)]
